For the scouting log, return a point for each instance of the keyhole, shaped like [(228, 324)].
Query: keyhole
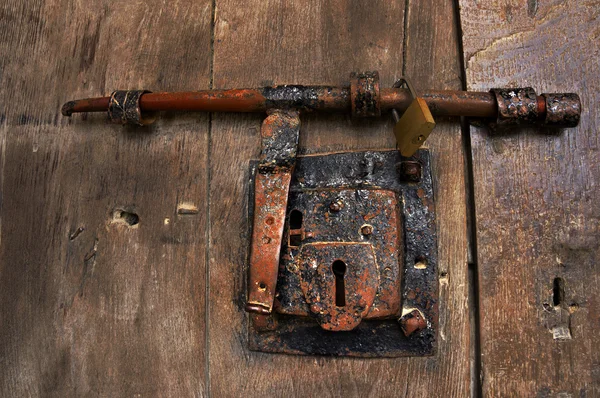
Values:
[(558, 291), (339, 269)]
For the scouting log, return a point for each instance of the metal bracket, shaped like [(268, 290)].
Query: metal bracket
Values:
[(370, 217), (279, 134)]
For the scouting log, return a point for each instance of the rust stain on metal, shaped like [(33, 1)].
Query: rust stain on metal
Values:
[(271, 192), (562, 109), (263, 322), (336, 205), (364, 93), (346, 227), (124, 108), (363, 98), (412, 322), (516, 105), (366, 229), (279, 134), (410, 171), (345, 275), (320, 284)]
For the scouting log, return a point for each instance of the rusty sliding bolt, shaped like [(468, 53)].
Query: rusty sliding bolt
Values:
[(279, 142), (362, 97)]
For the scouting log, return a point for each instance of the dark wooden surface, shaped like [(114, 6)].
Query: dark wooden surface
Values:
[(114, 310), (263, 42), (90, 305), (536, 201)]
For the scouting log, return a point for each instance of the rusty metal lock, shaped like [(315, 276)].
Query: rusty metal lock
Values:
[(346, 264), (343, 250), (343, 257), (415, 124)]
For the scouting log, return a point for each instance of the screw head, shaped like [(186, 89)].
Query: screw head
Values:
[(412, 322), (336, 205), (410, 171), (366, 229)]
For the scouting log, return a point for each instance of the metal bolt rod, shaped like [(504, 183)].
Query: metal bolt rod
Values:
[(316, 98)]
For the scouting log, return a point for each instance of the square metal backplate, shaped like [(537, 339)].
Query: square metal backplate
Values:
[(370, 183)]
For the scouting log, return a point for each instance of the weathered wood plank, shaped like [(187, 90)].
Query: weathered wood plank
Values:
[(536, 201), (320, 42), (431, 62), (90, 306)]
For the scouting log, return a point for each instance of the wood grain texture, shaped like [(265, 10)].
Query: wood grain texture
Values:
[(320, 42), (89, 306), (536, 200)]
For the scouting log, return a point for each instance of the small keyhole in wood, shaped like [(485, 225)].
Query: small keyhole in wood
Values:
[(339, 270), (558, 291)]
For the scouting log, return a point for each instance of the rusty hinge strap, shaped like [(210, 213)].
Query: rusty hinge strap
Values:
[(279, 143)]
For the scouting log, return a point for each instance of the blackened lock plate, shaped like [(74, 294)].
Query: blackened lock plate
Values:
[(359, 252)]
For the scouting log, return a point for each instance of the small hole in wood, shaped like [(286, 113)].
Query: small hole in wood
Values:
[(558, 291), (126, 217), (262, 286)]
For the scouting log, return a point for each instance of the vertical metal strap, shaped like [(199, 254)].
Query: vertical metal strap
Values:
[(279, 134)]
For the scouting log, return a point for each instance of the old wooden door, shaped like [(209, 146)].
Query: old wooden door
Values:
[(123, 251)]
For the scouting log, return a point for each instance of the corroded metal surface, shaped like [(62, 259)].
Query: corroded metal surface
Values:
[(330, 99), (124, 108), (562, 109), (270, 203), (341, 187), (364, 94), (516, 105), (319, 281), (353, 218), (412, 322), (362, 97), (410, 171), (279, 141), (279, 135), (305, 97)]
